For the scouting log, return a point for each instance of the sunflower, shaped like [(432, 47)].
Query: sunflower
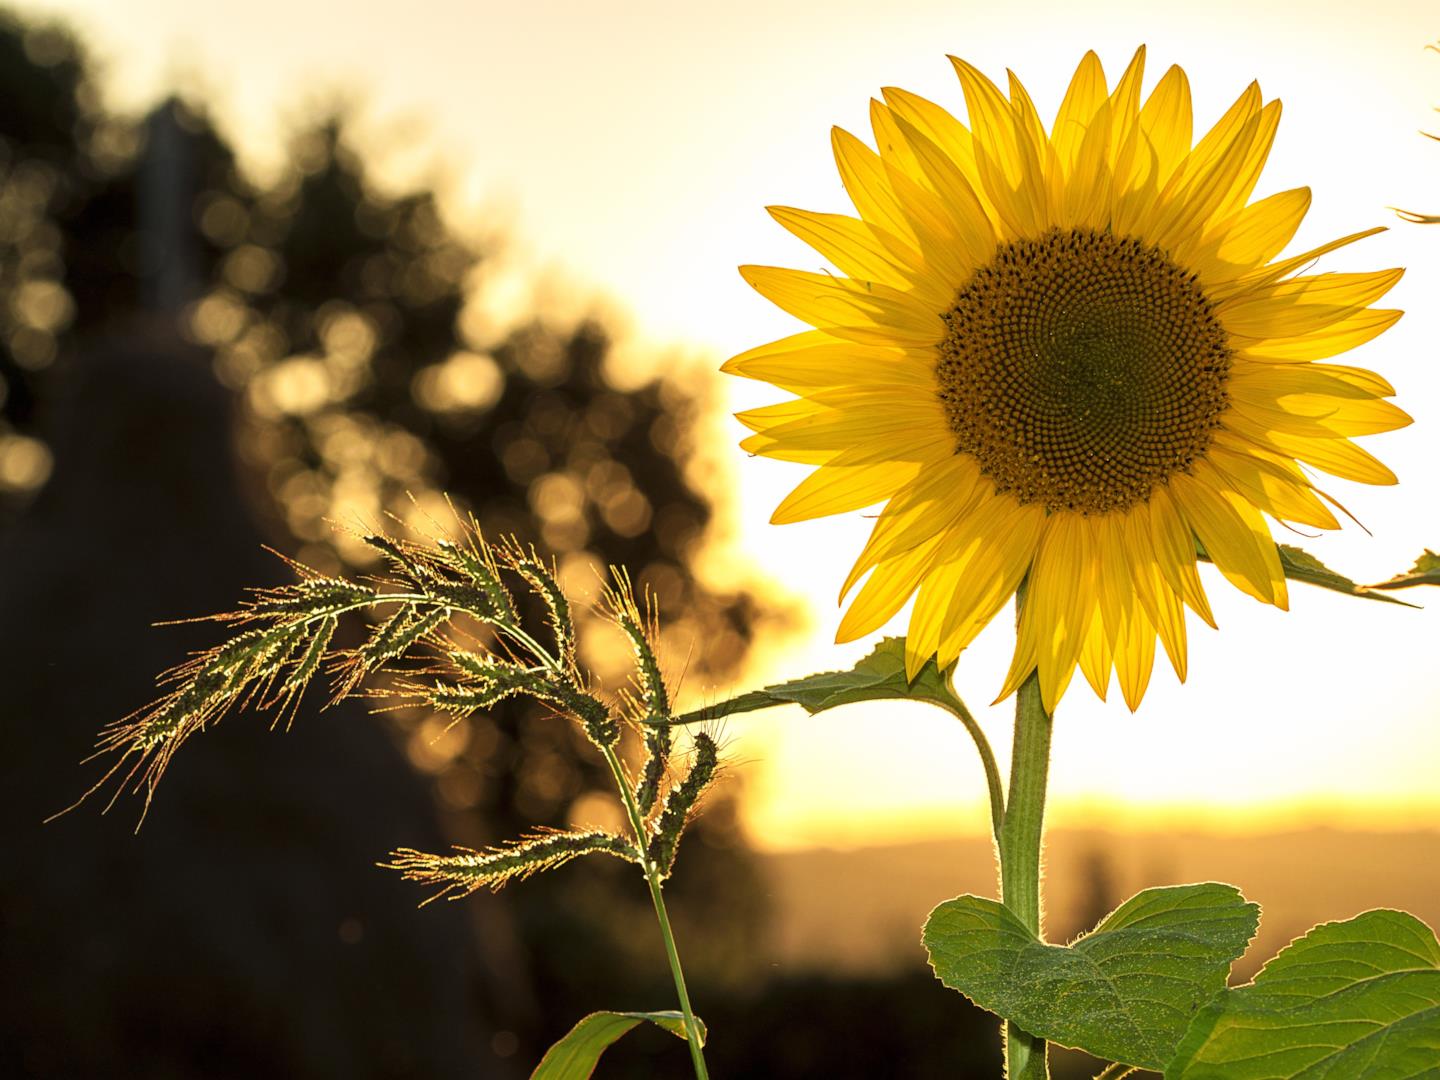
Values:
[(1066, 360)]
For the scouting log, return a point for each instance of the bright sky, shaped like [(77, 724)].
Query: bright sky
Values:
[(633, 146)]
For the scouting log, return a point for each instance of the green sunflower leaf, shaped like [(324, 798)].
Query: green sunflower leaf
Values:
[(574, 1057), (1124, 992), (1355, 998), (1426, 571), (1300, 565), (879, 675)]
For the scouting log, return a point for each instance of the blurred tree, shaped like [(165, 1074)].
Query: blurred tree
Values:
[(336, 315), (333, 311), (46, 121)]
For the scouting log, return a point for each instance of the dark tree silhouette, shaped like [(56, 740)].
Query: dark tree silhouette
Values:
[(135, 259)]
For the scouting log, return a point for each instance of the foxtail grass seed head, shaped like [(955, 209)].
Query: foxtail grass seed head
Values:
[(680, 802), (467, 871), (394, 550), (618, 600), (652, 774), (309, 665), (309, 598), (486, 681), (285, 638), (599, 725), (475, 563), (541, 579)]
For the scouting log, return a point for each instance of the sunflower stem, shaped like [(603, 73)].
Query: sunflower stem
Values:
[(657, 897), (951, 703), (1021, 835)]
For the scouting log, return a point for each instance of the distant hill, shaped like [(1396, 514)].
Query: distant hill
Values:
[(860, 911)]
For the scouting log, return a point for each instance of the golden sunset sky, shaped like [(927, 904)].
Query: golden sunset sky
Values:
[(628, 150)]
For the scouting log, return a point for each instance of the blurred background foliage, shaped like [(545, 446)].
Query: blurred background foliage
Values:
[(193, 363)]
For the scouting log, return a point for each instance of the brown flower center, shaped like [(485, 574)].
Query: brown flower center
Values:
[(1082, 369)]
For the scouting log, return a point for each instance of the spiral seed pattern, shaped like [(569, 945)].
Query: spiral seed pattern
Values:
[(1081, 369)]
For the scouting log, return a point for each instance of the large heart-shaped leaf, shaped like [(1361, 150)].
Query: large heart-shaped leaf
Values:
[(574, 1056), (1349, 999), (1124, 992), (881, 674)]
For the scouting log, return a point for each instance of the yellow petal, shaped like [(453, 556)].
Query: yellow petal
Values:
[(1037, 156), (1304, 305), (1344, 334), (1254, 237), (869, 313), (1023, 662), (763, 445), (833, 489), (856, 248), (1360, 378), (1173, 543), (1268, 275), (1165, 122), (1316, 401), (1257, 152), (806, 339), (1095, 658), (1113, 587), (891, 430), (1279, 496), (1007, 171), (782, 412), (941, 495), (1189, 208), (1086, 93), (1163, 608), (1061, 598), (1135, 657), (1005, 536), (991, 129), (886, 590), (893, 148), (922, 636), (1219, 139), (815, 367), (1089, 192), (1338, 457), (937, 125), (863, 174), (1125, 103), (1233, 532), (945, 241), (969, 222)]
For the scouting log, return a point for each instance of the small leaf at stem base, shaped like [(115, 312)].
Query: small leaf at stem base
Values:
[(574, 1057)]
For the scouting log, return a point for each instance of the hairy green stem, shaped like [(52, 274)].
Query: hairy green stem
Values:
[(657, 896), (1115, 1071), (952, 704), (652, 872), (1020, 839)]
